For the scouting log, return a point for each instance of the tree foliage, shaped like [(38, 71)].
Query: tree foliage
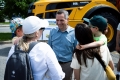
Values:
[(2, 19), (16, 7)]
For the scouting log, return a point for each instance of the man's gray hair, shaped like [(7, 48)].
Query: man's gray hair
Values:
[(62, 11)]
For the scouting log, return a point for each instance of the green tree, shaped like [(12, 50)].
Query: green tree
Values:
[(2, 18), (16, 7)]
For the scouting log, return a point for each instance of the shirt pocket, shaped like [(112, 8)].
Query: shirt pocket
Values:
[(69, 41)]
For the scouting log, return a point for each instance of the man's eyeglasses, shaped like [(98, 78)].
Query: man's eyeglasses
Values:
[(42, 28)]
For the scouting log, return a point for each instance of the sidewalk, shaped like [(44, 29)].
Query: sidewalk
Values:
[(10, 41), (6, 42), (4, 25)]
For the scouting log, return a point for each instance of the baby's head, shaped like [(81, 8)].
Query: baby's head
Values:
[(97, 21), (17, 26)]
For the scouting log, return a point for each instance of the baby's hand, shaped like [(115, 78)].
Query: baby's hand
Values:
[(80, 47), (17, 41)]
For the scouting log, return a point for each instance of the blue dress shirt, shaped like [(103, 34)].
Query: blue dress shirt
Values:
[(63, 43)]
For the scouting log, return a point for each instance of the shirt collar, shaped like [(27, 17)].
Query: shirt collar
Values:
[(67, 30)]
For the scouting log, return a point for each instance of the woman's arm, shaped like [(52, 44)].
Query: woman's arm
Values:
[(76, 68), (118, 40), (54, 67), (76, 74), (111, 65)]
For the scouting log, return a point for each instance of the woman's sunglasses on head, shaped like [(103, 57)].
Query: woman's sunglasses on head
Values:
[(42, 28)]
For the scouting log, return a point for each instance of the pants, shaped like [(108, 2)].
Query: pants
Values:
[(67, 70)]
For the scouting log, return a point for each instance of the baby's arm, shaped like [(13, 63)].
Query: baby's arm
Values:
[(90, 45)]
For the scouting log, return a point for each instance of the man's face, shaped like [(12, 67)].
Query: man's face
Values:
[(61, 21)]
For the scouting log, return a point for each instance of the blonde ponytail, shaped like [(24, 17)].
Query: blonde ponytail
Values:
[(23, 44), (25, 41)]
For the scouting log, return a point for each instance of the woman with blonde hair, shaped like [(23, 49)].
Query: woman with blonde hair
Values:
[(44, 63)]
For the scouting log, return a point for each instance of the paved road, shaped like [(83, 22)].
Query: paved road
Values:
[(4, 49)]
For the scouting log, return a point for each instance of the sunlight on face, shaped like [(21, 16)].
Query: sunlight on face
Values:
[(61, 21)]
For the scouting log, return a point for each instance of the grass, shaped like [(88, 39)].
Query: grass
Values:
[(5, 36)]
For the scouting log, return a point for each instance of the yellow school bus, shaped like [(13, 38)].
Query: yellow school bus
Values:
[(79, 9)]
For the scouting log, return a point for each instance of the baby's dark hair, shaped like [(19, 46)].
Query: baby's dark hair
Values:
[(83, 33)]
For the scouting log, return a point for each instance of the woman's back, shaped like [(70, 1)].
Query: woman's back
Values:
[(44, 63), (85, 64), (94, 70)]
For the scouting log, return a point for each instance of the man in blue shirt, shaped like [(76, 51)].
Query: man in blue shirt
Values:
[(62, 41)]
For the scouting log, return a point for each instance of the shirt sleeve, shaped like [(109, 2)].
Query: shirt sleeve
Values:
[(103, 38), (118, 28), (75, 42), (105, 53), (74, 63), (10, 52), (49, 40), (54, 67), (109, 55)]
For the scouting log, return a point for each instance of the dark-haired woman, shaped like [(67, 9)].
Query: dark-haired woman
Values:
[(84, 63)]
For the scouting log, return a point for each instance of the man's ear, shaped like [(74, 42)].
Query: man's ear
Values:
[(67, 19)]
